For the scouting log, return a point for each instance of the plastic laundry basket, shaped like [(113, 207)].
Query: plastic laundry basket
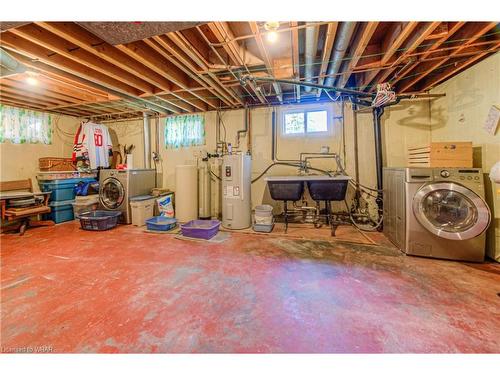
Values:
[(142, 210)]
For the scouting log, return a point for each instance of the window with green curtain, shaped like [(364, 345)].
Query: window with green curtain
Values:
[(19, 125), (184, 131)]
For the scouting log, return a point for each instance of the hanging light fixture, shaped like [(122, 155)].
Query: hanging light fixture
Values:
[(272, 34)]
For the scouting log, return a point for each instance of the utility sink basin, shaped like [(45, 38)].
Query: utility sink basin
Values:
[(328, 189), (285, 189), (321, 188)]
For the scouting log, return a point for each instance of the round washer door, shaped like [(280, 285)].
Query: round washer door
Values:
[(451, 211), (111, 193)]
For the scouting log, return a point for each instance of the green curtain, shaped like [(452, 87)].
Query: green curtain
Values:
[(19, 125), (184, 131)]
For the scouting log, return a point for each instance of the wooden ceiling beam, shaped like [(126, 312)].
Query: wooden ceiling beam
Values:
[(228, 96), (20, 85), (457, 67), (61, 46), (82, 38), (359, 45), (42, 102), (390, 45), (194, 99), (421, 33), (213, 86), (471, 32), (223, 33), (33, 95), (265, 57), (38, 53)]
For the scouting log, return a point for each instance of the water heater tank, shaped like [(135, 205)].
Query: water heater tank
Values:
[(236, 197)]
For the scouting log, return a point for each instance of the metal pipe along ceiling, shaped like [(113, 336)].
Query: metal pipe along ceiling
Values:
[(9, 65), (310, 54), (340, 47)]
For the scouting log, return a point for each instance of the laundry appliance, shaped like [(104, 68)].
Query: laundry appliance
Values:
[(436, 212), (116, 187)]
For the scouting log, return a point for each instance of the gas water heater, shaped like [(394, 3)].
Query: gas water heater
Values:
[(236, 185)]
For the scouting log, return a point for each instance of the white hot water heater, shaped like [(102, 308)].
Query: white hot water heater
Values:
[(236, 197)]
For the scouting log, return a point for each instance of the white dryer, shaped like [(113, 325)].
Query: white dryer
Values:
[(436, 212), (116, 187)]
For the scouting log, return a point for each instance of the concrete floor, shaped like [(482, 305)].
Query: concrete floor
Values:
[(68, 290)]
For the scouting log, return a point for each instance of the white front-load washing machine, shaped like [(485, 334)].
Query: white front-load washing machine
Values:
[(436, 212), (116, 187)]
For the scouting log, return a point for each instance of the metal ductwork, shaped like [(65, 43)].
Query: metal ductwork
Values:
[(339, 49), (9, 65), (147, 141), (311, 47)]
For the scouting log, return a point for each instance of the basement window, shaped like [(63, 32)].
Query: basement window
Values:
[(184, 131), (19, 125), (309, 121)]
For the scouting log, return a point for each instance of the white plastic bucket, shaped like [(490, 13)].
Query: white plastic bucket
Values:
[(141, 211)]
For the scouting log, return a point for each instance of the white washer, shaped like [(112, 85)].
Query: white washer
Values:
[(116, 187), (436, 212)]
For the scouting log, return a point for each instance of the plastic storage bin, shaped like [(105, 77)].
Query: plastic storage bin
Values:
[(81, 207), (99, 220), (161, 223), (60, 211), (204, 229), (62, 190), (142, 209), (263, 214)]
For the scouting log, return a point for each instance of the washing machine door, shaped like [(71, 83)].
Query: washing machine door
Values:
[(111, 193), (451, 211)]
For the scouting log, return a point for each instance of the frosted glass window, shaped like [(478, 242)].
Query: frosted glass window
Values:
[(294, 123)]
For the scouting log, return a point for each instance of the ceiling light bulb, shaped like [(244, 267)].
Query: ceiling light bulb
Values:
[(31, 81), (272, 36)]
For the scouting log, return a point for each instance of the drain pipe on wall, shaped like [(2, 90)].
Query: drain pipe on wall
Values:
[(377, 128), (147, 140)]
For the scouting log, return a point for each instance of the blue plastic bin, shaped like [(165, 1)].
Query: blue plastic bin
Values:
[(161, 223), (204, 229), (60, 211), (62, 190)]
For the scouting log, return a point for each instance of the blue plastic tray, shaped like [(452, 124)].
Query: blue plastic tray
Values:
[(161, 223), (204, 229)]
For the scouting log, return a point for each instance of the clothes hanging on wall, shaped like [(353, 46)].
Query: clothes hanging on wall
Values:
[(93, 143)]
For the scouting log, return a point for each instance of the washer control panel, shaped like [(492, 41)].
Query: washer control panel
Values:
[(466, 175)]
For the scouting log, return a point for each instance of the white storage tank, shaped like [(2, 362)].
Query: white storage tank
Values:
[(186, 193), (236, 191)]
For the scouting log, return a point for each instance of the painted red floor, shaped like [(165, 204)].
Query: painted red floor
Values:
[(129, 291)]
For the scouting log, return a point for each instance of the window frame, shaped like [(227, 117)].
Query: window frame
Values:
[(305, 108)]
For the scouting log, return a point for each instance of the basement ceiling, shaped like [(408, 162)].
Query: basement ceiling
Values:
[(114, 70)]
